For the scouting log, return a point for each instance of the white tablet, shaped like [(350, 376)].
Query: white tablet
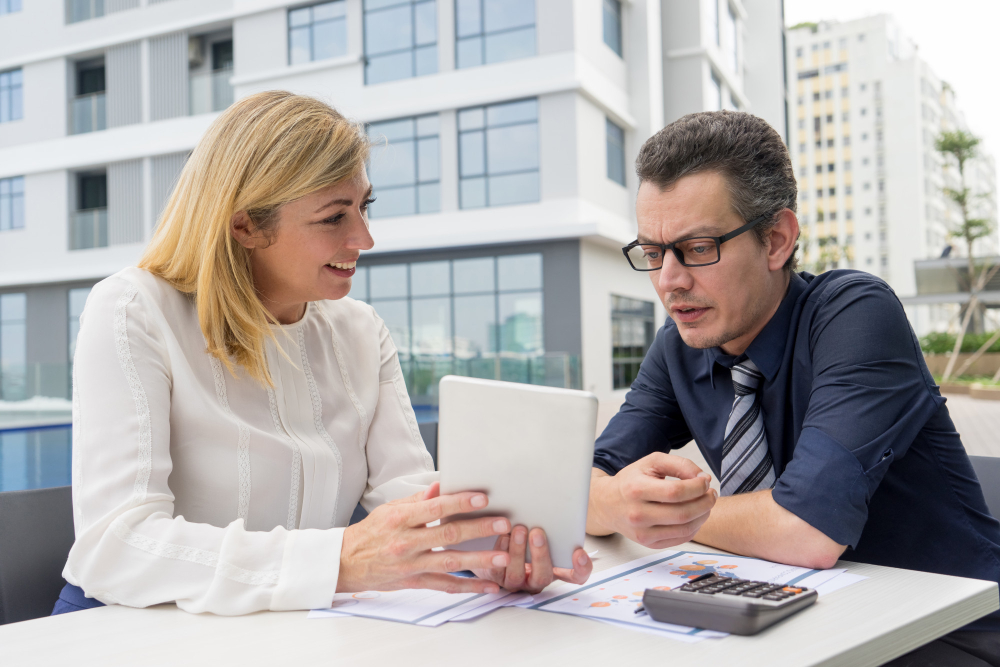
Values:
[(529, 448)]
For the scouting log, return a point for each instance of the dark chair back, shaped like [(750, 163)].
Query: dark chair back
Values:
[(988, 471), (36, 533)]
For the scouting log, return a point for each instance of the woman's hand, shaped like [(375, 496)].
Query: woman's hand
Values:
[(539, 573), (391, 548)]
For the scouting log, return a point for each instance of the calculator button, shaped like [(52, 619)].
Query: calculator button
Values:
[(793, 591), (774, 596)]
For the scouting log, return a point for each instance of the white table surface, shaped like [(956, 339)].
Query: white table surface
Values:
[(889, 614)]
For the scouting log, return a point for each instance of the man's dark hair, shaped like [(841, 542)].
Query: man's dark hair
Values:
[(742, 147)]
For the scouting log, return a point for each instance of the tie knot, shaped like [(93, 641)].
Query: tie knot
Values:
[(746, 377)]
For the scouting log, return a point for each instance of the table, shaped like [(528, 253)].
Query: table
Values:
[(868, 623)]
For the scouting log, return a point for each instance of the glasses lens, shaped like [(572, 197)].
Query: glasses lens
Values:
[(645, 257), (699, 251)]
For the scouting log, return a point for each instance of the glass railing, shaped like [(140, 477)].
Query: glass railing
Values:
[(211, 91), (88, 229), (86, 113), (82, 10)]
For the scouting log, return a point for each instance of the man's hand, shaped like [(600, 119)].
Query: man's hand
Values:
[(658, 501), (539, 573)]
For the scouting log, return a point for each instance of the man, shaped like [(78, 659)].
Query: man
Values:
[(808, 395)]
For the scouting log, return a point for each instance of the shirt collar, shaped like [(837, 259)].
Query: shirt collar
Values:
[(768, 348)]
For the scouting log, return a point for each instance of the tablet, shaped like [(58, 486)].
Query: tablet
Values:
[(529, 448)]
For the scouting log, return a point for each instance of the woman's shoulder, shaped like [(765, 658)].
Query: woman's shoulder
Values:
[(137, 285)]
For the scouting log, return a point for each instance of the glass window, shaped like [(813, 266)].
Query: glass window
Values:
[(10, 6), (400, 39), (732, 38), (11, 203), (715, 93), (405, 166), (633, 328), (13, 346), (77, 300), (713, 18), (317, 32), (492, 31), (616, 152), (498, 154), (11, 95), (479, 317), (613, 25)]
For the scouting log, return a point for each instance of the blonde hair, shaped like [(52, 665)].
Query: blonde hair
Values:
[(264, 151)]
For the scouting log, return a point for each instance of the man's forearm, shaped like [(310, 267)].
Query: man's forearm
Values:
[(752, 524)]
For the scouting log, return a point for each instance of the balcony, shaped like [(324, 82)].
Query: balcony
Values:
[(88, 229), (211, 91), (86, 113)]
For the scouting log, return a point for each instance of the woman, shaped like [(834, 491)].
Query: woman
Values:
[(231, 406)]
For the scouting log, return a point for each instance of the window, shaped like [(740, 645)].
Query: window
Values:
[(88, 226), (715, 93), (847, 165), (801, 100), (493, 31), (713, 17), (831, 167), (613, 25), (816, 97), (819, 193), (802, 123), (77, 299), (845, 91), (633, 328), (833, 191), (845, 116), (400, 39), (826, 45), (616, 152), (849, 214), (843, 42), (798, 52), (11, 203), (828, 94), (87, 108), (848, 190), (9, 6), (829, 143), (13, 346), (864, 136), (317, 32), (732, 38), (11, 95), (498, 154), (802, 148), (405, 171), (863, 87), (478, 317), (82, 10), (819, 169), (829, 118), (833, 214)]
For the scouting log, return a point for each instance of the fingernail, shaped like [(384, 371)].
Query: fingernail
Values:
[(492, 589), (519, 536), (582, 560), (500, 526), (704, 474), (499, 561), (538, 540), (479, 501)]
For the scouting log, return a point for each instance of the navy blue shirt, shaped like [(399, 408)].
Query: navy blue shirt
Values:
[(861, 440)]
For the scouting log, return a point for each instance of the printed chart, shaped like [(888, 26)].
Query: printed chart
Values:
[(419, 607)]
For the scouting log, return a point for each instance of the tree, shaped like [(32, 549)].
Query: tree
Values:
[(961, 146)]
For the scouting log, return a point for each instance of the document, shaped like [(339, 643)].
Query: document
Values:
[(614, 595), (417, 607)]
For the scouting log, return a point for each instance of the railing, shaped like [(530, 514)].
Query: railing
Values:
[(88, 229), (86, 113), (82, 10), (211, 91)]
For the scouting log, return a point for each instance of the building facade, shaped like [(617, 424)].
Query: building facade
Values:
[(865, 113), (505, 132)]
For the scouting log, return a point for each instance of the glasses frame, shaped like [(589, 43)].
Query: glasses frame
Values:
[(719, 240)]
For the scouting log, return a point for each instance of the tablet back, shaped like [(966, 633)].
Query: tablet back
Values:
[(529, 448)]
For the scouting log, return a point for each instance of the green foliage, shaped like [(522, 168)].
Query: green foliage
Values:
[(959, 144), (805, 24), (944, 343)]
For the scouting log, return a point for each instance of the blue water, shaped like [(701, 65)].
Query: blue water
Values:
[(35, 458)]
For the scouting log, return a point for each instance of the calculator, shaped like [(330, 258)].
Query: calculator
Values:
[(738, 606)]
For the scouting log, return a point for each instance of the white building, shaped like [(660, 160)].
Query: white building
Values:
[(504, 195), (865, 111)]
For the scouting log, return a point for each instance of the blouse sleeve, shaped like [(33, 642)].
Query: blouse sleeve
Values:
[(130, 548), (398, 462)]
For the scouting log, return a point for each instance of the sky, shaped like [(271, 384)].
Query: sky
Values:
[(957, 38)]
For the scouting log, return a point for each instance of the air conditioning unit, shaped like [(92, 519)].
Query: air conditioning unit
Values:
[(196, 52)]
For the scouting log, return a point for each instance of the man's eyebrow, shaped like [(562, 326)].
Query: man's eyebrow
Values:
[(697, 231)]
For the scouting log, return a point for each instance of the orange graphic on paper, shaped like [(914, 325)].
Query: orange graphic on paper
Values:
[(638, 593), (728, 567), (661, 588), (706, 562), (620, 597), (601, 604), (680, 573), (691, 568)]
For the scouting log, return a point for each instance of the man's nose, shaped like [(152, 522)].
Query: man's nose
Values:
[(674, 275)]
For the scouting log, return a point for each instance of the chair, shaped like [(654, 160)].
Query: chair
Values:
[(36, 533), (988, 471)]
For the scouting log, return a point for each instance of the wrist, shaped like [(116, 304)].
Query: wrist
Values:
[(600, 517)]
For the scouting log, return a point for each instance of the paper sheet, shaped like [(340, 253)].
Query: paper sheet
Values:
[(418, 607)]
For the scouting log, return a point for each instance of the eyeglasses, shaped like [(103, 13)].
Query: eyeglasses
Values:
[(695, 251)]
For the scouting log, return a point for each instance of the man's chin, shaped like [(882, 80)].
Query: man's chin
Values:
[(700, 339)]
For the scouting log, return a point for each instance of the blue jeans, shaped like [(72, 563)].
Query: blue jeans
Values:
[(71, 598)]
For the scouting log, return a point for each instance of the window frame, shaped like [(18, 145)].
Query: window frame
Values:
[(613, 9), (9, 87), (617, 142), (342, 20), (620, 315), (486, 127), (414, 45), (8, 200), (417, 182), (483, 34)]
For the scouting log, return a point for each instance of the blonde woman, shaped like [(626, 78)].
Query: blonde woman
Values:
[(232, 406)]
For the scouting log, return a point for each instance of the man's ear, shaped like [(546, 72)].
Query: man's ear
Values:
[(243, 230), (782, 239)]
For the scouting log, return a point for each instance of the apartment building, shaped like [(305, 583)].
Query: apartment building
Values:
[(505, 130), (865, 112)]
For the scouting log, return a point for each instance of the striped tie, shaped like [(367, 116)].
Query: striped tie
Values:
[(746, 462)]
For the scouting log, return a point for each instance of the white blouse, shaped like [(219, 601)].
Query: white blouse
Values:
[(193, 486)]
